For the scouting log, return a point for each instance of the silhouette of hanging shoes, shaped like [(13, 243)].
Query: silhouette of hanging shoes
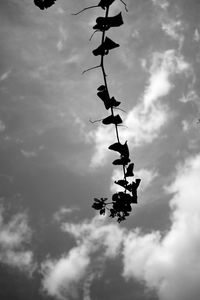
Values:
[(104, 96), (112, 120), (129, 171), (105, 23), (101, 88), (122, 183), (104, 48), (121, 161), (122, 149), (133, 189), (42, 4), (105, 3)]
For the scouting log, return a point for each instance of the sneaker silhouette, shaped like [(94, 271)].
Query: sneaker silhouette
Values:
[(121, 161), (42, 4), (108, 102), (105, 3), (101, 88), (122, 149), (129, 171), (104, 48), (122, 183), (133, 189), (114, 102), (103, 23), (112, 120)]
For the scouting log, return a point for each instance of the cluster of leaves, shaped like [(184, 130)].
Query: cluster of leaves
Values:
[(120, 206)]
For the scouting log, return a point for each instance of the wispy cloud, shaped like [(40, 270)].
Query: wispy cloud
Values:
[(63, 212), (5, 75), (63, 34), (79, 267), (28, 154), (147, 178), (164, 4), (171, 264), (173, 29), (196, 36), (14, 236), (146, 119), (62, 276), (166, 262), (2, 126)]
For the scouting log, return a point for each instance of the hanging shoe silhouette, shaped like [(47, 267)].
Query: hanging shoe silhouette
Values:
[(42, 4), (112, 120), (101, 88), (133, 189), (121, 161), (104, 96), (122, 183), (129, 171), (104, 48), (105, 3), (114, 102), (108, 102), (122, 149), (105, 23)]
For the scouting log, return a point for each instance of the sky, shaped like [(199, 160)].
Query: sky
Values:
[(54, 161)]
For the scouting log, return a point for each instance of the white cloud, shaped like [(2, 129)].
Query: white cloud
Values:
[(147, 177), (63, 35), (161, 3), (28, 154), (62, 212), (167, 262), (75, 271), (61, 276), (185, 125), (146, 119), (5, 75), (171, 264), (196, 35), (191, 96), (13, 237), (2, 126), (173, 29)]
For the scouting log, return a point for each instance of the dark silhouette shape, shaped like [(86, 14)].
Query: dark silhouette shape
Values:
[(105, 3), (104, 96), (123, 161), (106, 23), (104, 48), (112, 120), (120, 206), (122, 149), (129, 171), (121, 203), (122, 183), (42, 4)]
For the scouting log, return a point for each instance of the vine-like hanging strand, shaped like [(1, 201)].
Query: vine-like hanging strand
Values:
[(120, 206)]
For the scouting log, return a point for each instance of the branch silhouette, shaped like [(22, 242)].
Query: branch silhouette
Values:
[(121, 204)]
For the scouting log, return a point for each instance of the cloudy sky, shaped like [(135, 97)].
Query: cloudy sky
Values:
[(54, 161)]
